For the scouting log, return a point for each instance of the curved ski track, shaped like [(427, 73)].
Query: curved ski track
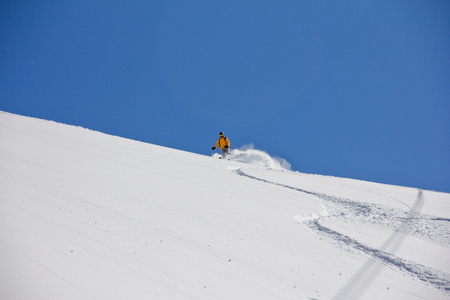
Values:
[(338, 207)]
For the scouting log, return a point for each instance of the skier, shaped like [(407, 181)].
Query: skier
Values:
[(224, 144)]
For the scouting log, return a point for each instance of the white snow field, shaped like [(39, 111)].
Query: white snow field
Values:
[(85, 215)]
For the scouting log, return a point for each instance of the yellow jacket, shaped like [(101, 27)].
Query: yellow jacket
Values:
[(222, 142)]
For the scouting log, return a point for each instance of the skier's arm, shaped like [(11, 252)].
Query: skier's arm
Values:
[(217, 144)]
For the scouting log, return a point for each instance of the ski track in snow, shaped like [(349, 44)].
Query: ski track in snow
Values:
[(410, 222), (81, 217)]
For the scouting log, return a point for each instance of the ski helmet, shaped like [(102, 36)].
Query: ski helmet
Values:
[(221, 133)]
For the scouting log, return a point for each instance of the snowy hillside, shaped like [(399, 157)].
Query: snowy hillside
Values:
[(84, 215)]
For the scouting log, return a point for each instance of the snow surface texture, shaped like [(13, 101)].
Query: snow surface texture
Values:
[(84, 215)]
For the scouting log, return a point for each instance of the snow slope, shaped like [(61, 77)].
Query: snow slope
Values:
[(84, 215)]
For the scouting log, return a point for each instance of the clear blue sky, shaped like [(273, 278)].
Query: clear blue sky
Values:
[(357, 89)]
